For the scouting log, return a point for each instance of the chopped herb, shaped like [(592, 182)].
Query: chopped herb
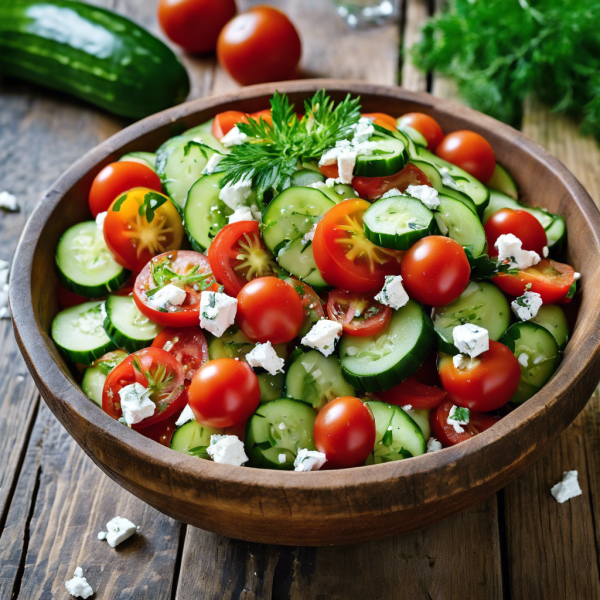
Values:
[(152, 201), (117, 205), (460, 414), (484, 267), (163, 274)]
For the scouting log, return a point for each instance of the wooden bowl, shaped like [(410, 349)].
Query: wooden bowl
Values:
[(329, 507)]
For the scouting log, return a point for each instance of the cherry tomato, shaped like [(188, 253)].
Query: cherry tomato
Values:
[(224, 392), (237, 255), (445, 433), (548, 278), (359, 314), (187, 344), (521, 224), (414, 393), (345, 432), (181, 262), (195, 24), (427, 126), (382, 120), (258, 46), (224, 122), (67, 298), (311, 304), (343, 254), (372, 188), (270, 310), (163, 431), (118, 178), (489, 382), (135, 232), (435, 270), (469, 151), (156, 370)]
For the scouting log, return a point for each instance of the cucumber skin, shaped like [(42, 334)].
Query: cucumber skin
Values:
[(94, 291), (122, 341), (122, 68)]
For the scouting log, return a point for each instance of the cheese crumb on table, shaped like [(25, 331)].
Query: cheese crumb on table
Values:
[(393, 293), (4, 311), (433, 445), (471, 339), (526, 307), (136, 403), (234, 137), (119, 529), (427, 195), (217, 312), (458, 416), (509, 249), (265, 357), (78, 587), (567, 488), (323, 336), (102, 535), (309, 460), (8, 202), (168, 296), (227, 450)]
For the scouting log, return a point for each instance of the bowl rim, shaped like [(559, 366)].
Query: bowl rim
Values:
[(54, 383)]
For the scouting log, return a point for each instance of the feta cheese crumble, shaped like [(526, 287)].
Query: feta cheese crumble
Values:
[(102, 535), (282, 458), (241, 213), (577, 276), (135, 403), (8, 202), (217, 312), (170, 295), (392, 193), (427, 195), (119, 529), (461, 362), (523, 359), (100, 218), (319, 185), (309, 460), (309, 236), (264, 356), (567, 488), (526, 307), (545, 251), (212, 163), (433, 445), (227, 450), (78, 587), (509, 249), (4, 312), (447, 179), (185, 416), (234, 194), (470, 339), (323, 336), (393, 293), (234, 137), (458, 416)]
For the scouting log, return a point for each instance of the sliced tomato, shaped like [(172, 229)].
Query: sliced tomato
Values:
[(163, 431), (156, 370), (445, 433), (372, 188), (382, 120), (311, 303), (183, 263), (414, 393), (359, 314), (187, 344), (343, 254), (550, 279), (237, 255), (224, 122)]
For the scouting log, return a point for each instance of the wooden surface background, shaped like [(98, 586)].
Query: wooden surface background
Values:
[(518, 545)]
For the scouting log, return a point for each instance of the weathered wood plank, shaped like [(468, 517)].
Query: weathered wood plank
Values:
[(416, 12)]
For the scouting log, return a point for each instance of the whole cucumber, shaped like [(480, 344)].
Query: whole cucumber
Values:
[(91, 53)]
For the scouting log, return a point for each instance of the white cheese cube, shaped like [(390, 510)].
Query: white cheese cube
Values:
[(407, 407), (567, 488), (168, 296), (470, 339), (227, 449), (265, 357), (212, 163), (363, 130), (185, 417), (241, 213), (433, 445), (510, 249), (78, 587), (577, 276), (234, 137), (282, 458), (523, 360), (136, 403), (545, 251), (393, 293), (526, 307), (346, 162), (100, 218), (8, 202), (119, 530), (309, 460), (235, 194), (217, 312), (457, 420), (392, 193), (461, 362), (427, 195), (323, 336)]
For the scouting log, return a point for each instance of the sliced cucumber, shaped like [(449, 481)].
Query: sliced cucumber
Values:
[(306, 177), (462, 224), (537, 352), (339, 192), (193, 439), (503, 182), (94, 377), (297, 258), (398, 436), (195, 134), (557, 235), (389, 157), (145, 158), (397, 222), (416, 136), (552, 317), (79, 334), (277, 430), (421, 418), (235, 344), (379, 362), (126, 326), (84, 263), (271, 386), (316, 379), (481, 304)]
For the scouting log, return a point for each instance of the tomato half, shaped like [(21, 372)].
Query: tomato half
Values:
[(550, 279), (414, 393), (489, 382), (156, 370), (372, 188), (163, 431), (224, 122), (187, 344), (521, 224), (469, 151), (382, 120), (237, 255), (183, 263), (359, 314), (445, 433), (344, 255), (427, 126)]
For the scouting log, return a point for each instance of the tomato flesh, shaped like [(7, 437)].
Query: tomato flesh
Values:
[(427, 126), (187, 344), (445, 433), (415, 394), (372, 188), (359, 314)]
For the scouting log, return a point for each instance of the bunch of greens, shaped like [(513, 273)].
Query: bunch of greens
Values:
[(500, 51)]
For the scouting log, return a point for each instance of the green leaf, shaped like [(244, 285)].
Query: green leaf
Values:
[(152, 201), (460, 414), (572, 290), (117, 205), (484, 267)]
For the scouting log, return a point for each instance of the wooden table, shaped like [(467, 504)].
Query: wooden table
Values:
[(518, 545)]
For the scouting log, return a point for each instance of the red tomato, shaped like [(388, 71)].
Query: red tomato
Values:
[(445, 433), (270, 310), (163, 431), (382, 120), (195, 24), (414, 393), (224, 392), (489, 382), (180, 262), (548, 278), (427, 126), (311, 303), (67, 298), (521, 224), (469, 151), (187, 344), (435, 270), (224, 122), (345, 432), (359, 314), (343, 254), (154, 369), (237, 255), (258, 46), (118, 178), (372, 188)]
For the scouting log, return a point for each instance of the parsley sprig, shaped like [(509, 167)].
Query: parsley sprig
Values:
[(484, 267), (163, 274)]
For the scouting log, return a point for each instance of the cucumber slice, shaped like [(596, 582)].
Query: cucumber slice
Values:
[(462, 224), (271, 386), (79, 334), (306, 177), (503, 182), (205, 127), (397, 222), (541, 350), (389, 157), (195, 134), (94, 377), (379, 362), (421, 418), (397, 437), (145, 158), (297, 258), (339, 192), (193, 439), (84, 263), (416, 136), (316, 379), (557, 235), (552, 317), (281, 427), (481, 304), (126, 326), (235, 344)]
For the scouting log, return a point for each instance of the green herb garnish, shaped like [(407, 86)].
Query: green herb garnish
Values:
[(163, 274), (484, 267)]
